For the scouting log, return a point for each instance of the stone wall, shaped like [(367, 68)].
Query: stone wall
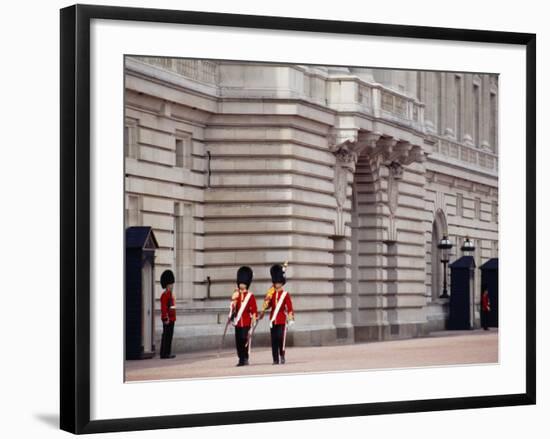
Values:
[(254, 164)]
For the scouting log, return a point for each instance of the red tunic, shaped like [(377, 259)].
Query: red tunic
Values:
[(167, 302), (485, 304), (250, 310), (284, 310)]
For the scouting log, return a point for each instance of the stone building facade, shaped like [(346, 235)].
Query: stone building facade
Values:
[(352, 175)]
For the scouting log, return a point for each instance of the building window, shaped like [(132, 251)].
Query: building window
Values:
[(494, 211), (459, 205), (184, 145), (477, 208), (130, 139), (184, 250)]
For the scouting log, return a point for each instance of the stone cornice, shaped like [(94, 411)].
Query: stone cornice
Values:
[(446, 166), (466, 184)]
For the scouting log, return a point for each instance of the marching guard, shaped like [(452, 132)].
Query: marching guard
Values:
[(279, 302), (243, 313)]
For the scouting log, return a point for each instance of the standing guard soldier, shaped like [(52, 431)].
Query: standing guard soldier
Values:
[(485, 308), (243, 313), (278, 300), (167, 313)]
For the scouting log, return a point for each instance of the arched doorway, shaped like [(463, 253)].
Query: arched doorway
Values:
[(368, 256)]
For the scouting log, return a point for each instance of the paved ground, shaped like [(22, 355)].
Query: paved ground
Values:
[(444, 348)]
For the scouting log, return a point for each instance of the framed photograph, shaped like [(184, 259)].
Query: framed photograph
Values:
[(279, 218)]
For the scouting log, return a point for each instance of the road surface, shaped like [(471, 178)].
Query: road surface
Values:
[(440, 349)]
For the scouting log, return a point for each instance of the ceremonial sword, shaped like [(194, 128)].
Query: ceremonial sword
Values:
[(287, 324), (223, 336), (250, 334)]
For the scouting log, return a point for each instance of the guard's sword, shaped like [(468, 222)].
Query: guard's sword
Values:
[(287, 324), (250, 335), (229, 318), (284, 338), (223, 336)]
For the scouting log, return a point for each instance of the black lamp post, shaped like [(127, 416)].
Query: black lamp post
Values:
[(445, 247), (468, 247)]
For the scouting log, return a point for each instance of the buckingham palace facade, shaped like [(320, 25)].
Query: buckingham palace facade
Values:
[(352, 175)]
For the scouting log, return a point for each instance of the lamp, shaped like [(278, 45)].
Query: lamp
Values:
[(468, 247), (445, 247)]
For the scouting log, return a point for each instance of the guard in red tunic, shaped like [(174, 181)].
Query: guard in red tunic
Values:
[(485, 308), (279, 302), (243, 312), (167, 313)]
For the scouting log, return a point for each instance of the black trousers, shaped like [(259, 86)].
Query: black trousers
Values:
[(277, 335), (166, 341), (484, 319), (241, 337)]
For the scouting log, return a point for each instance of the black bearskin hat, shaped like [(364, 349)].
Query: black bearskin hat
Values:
[(244, 276), (278, 274), (167, 277)]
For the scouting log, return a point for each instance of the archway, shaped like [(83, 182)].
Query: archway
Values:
[(368, 256)]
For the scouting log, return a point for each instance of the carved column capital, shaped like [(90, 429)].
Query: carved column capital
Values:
[(414, 154), (345, 157), (380, 150), (386, 145), (348, 144), (395, 170), (400, 151)]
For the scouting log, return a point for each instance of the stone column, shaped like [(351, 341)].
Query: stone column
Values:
[(394, 175), (347, 145), (411, 83), (428, 97), (405, 259), (468, 113), (485, 113), (447, 115), (343, 175)]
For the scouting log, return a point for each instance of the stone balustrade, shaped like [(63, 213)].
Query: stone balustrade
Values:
[(199, 70), (391, 105), (468, 155)]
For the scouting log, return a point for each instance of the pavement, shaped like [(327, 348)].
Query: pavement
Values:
[(439, 349)]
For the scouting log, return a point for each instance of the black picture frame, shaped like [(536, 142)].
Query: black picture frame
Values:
[(75, 217)]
